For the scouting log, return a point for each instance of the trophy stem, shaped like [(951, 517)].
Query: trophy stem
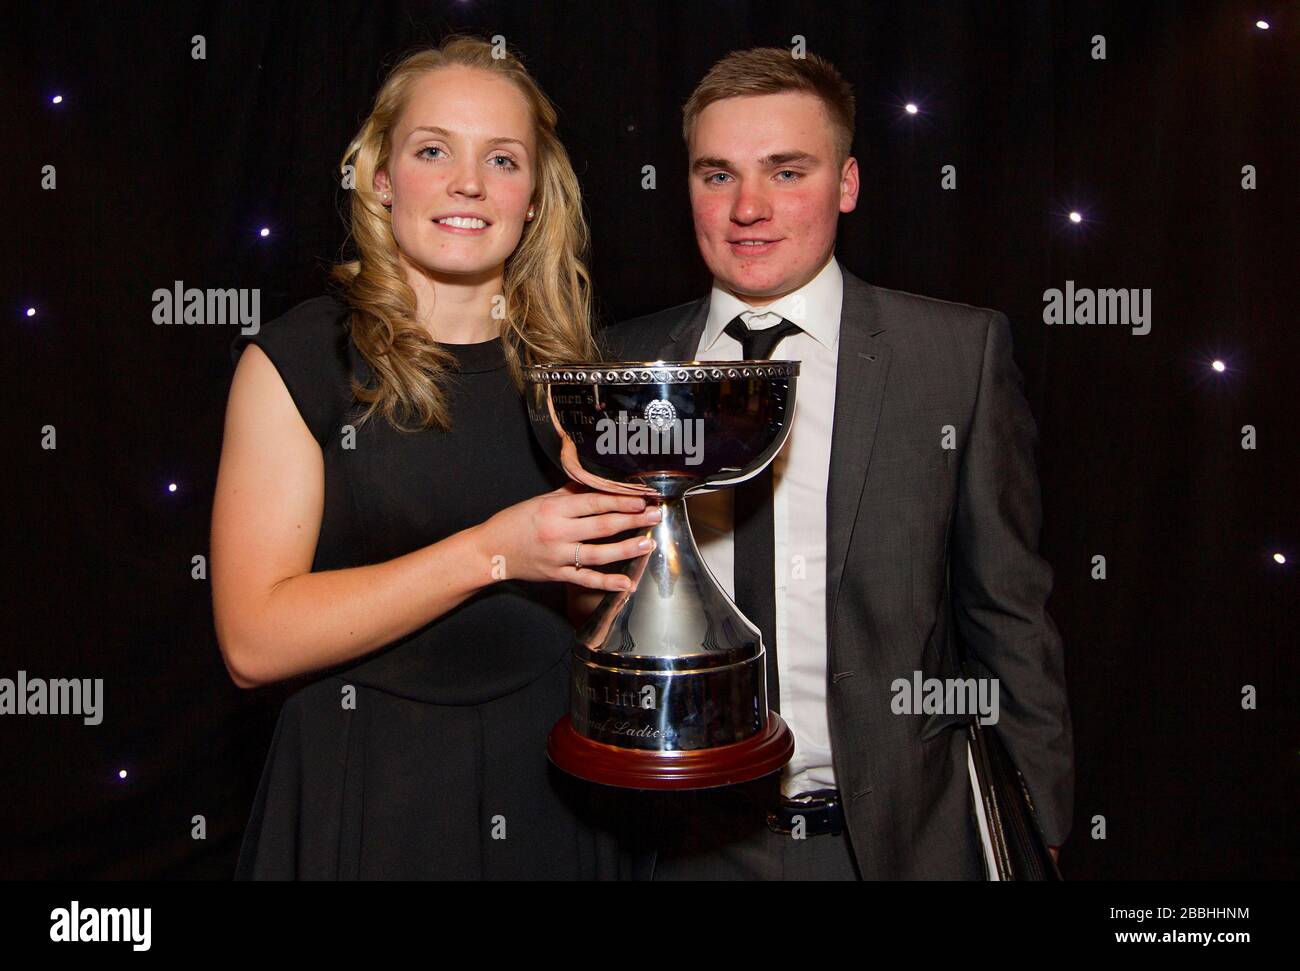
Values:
[(668, 685), (674, 548), (677, 609)]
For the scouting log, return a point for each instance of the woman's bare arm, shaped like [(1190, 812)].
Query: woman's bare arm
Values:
[(274, 617)]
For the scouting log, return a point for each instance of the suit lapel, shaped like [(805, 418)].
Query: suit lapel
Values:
[(861, 366), (683, 341)]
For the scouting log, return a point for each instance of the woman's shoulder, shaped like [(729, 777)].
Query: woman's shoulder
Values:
[(307, 327), (308, 344), (329, 310)]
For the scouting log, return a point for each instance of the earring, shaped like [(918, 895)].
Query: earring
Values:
[(530, 212), (386, 203)]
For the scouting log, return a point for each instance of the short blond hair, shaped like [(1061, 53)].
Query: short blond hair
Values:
[(772, 70)]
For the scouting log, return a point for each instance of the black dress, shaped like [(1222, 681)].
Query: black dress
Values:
[(439, 771)]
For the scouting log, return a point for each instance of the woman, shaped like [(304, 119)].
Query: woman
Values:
[(385, 522)]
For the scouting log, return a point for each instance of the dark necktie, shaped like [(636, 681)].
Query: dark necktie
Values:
[(755, 545)]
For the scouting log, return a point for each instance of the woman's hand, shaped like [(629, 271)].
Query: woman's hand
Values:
[(537, 539)]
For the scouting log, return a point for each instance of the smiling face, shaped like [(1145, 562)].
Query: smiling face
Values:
[(767, 191), (460, 173)]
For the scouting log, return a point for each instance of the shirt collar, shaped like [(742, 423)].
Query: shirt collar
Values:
[(815, 307)]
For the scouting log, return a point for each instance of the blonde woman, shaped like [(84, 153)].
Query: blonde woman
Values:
[(384, 522)]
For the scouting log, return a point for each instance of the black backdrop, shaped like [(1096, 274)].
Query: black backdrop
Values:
[(168, 166)]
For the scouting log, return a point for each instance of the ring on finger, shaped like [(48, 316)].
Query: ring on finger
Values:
[(577, 557)]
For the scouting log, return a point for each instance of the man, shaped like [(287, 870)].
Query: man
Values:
[(896, 532)]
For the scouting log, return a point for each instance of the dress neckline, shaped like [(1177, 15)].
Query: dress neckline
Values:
[(488, 355)]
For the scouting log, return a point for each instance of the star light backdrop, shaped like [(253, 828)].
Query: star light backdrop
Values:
[(1071, 169)]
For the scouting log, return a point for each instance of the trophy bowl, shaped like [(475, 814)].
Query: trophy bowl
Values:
[(668, 685)]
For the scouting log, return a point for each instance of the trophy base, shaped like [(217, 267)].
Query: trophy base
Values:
[(706, 768)]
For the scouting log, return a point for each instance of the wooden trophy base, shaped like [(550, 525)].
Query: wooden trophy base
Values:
[(707, 768)]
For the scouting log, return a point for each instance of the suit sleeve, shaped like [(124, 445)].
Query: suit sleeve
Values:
[(1001, 585)]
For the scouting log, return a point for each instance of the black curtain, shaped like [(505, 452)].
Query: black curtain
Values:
[(168, 167)]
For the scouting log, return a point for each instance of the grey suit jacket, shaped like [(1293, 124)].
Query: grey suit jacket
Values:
[(931, 554)]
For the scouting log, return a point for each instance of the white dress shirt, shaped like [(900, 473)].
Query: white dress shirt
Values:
[(800, 474)]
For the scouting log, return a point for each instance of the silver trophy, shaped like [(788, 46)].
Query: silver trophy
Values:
[(668, 687)]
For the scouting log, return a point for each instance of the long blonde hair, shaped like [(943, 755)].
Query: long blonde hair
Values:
[(547, 288)]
